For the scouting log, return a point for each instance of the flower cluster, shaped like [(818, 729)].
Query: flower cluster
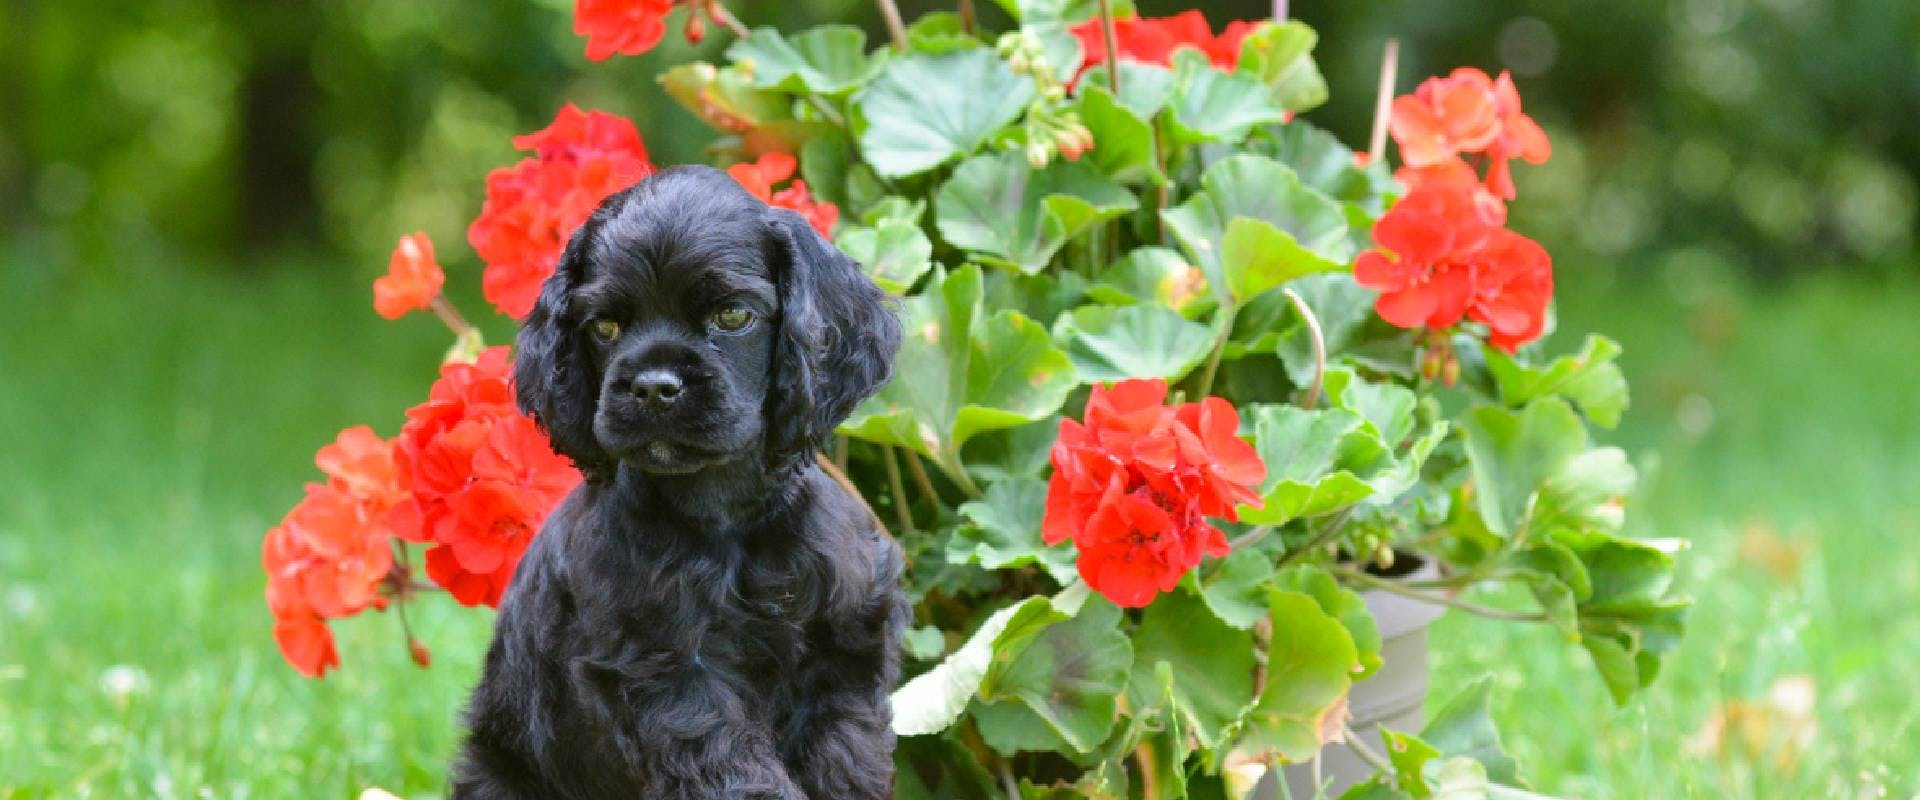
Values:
[(330, 556), (534, 206), (412, 281), (469, 475), (1465, 113), (1153, 40), (758, 178), (483, 479), (626, 27), (1443, 252), (1133, 486)]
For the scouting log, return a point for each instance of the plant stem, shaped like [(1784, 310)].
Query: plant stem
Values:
[(920, 479), (1319, 347), (719, 13), (1383, 102), (957, 472), (840, 451), (1007, 782), (443, 308), (1219, 348), (1352, 739), (1394, 587), (1325, 535), (898, 489), (1279, 10), (1250, 537), (1112, 45), (895, 28), (968, 24)]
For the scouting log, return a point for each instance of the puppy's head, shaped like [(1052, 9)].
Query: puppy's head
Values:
[(690, 325)]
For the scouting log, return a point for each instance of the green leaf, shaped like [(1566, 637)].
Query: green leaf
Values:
[(1343, 604), (934, 699), (1258, 256), (827, 60), (723, 98), (1326, 164), (924, 110), (1236, 591), (925, 643), (940, 32), (1144, 88), (1463, 726), (1070, 674), (1302, 450), (1258, 188), (1212, 662), (958, 374), (1587, 491), (1005, 531), (1310, 662), (1280, 55), (1213, 106), (1108, 343), (1171, 743), (1591, 380), (1123, 140), (1022, 451), (1011, 215), (1513, 453), (1409, 756), (894, 253), (1456, 779), (1152, 275)]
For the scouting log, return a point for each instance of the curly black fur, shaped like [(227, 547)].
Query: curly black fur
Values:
[(709, 615)]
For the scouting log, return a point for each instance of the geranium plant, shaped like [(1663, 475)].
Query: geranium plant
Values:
[(1184, 376)]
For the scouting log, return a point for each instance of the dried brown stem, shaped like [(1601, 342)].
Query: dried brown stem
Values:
[(1383, 102), (895, 28)]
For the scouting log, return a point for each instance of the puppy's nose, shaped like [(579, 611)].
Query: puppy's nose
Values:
[(657, 387)]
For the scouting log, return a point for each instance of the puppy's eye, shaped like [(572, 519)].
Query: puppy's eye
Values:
[(605, 330), (732, 319)]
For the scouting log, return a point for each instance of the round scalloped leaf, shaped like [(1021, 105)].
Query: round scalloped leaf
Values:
[(1070, 675), (895, 253), (1109, 343), (1280, 56), (1256, 188), (1213, 106), (1310, 663), (1005, 531), (1212, 662), (827, 60), (926, 109), (999, 207)]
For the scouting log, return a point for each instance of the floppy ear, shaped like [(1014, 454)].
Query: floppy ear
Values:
[(837, 338), (554, 380)]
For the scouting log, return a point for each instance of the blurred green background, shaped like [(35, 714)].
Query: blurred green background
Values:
[(195, 194)]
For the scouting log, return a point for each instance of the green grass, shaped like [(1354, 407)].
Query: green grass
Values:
[(151, 430)]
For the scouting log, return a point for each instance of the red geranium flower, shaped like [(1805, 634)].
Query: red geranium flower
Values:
[(533, 207), (1455, 174), (758, 178), (483, 479), (1520, 137), (1438, 261), (627, 27), (413, 279), (1133, 485), (1468, 113), (1153, 40), (361, 464), (307, 644)]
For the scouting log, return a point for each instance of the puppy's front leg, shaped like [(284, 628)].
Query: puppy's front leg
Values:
[(690, 736), (839, 739)]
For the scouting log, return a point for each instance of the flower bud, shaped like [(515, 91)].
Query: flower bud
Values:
[(1037, 155), (1450, 372), (695, 31), (1431, 362), (1383, 556), (421, 655), (1018, 61)]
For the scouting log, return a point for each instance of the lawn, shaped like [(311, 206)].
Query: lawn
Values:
[(153, 429)]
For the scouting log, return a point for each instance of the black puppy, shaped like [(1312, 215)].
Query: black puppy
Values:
[(710, 615)]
